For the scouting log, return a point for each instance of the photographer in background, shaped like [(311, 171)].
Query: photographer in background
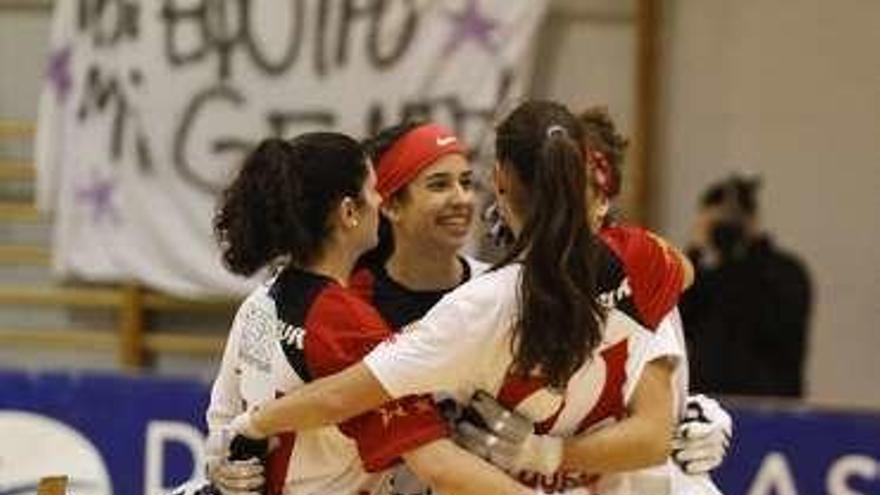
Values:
[(746, 315)]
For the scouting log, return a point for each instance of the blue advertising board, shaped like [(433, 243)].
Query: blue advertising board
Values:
[(131, 435), (790, 450), (146, 432)]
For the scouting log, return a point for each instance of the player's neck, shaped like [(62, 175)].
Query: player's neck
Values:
[(424, 269), (334, 261)]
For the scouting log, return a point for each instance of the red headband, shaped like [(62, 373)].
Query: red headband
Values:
[(411, 154)]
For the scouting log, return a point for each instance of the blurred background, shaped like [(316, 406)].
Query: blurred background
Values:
[(787, 90)]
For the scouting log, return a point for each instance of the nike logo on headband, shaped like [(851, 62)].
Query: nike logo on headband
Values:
[(445, 141)]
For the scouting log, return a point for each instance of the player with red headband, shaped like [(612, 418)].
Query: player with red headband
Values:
[(427, 211), (427, 190)]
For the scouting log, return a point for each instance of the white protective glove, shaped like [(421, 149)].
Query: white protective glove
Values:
[(506, 438), (703, 436), (242, 476), (243, 425)]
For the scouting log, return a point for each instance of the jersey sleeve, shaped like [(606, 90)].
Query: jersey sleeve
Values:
[(668, 341), (653, 268), (226, 399), (347, 330), (449, 348), (384, 434)]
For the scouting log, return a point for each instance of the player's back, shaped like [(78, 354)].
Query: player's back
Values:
[(598, 393)]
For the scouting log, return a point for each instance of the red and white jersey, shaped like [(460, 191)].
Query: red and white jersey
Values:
[(303, 326), (463, 345)]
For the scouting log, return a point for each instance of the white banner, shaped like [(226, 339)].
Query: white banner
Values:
[(149, 106)]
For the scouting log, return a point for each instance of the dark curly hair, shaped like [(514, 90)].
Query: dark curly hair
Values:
[(278, 204), (560, 321), (602, 135)]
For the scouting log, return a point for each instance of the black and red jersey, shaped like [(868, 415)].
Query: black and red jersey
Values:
[(397, 304), (326, 328)]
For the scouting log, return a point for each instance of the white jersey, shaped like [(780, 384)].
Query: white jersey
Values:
[(463, 345), (254, 370)]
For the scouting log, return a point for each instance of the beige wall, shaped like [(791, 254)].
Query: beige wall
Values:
[(24, 43), (789, 89)]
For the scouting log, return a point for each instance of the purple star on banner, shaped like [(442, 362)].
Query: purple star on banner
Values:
[(99, 196), (471, 24), (58, 73)]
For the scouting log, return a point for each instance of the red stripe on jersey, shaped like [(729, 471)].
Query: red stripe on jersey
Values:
[(610, 403), (277, 462), (517, 387)]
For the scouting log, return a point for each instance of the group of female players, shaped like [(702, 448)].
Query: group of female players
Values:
[(379, 359)]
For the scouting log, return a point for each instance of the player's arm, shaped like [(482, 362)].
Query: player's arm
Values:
[(441, 352), (675, 260), (226, 399), (640, 440), (326, 401), (451, 470), (230, 476)]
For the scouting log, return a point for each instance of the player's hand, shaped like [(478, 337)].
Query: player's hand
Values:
[(237, 477), (506, 438), (243, 425), (235, 463), (703, 436)]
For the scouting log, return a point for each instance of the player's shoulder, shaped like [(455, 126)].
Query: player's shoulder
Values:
[(259, 298), (343, 304), (475, 266), (638, 248), (492, 287), (644, 276), (627, 241)]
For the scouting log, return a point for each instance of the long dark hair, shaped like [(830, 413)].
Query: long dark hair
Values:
[(376, 146), (560, 320), (278, 204)]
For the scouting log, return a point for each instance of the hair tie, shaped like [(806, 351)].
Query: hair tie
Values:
[(556, 131)]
